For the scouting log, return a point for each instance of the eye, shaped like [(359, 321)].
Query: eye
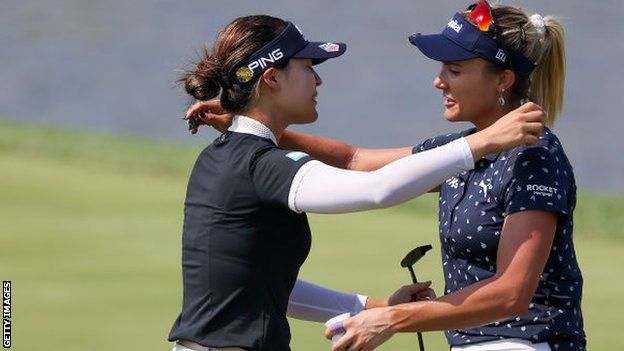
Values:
[(454, 72)]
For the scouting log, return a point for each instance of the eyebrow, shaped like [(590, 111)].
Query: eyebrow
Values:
[(452, 64)]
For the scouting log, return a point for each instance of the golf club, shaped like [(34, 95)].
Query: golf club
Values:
[(408, 261)]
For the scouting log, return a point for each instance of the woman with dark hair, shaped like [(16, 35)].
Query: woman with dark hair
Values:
[(245, 231)]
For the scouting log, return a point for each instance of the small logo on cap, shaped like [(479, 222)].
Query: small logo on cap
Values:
[(500, 55), (244, 74), (454, 25), (330, 47)]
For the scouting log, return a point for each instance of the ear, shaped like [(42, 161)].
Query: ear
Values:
[(271, 78), (506, 80)]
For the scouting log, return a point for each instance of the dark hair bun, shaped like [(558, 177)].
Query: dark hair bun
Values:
[(203, 82)]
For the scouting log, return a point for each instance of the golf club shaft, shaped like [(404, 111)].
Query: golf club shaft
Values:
[(411, 270), (421, 344)]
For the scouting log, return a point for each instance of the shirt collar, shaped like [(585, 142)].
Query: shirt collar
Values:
[(244, 124)]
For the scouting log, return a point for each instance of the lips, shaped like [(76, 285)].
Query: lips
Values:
[(448, 102)]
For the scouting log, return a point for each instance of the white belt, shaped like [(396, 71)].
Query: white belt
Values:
[(504, 345), (186, 345)]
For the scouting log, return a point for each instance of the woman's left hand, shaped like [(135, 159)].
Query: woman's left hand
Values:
[(365, 331), (209, 113), (411, 293)]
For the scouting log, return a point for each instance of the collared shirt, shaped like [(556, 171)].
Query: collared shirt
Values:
[(241, 244), (472, 209)]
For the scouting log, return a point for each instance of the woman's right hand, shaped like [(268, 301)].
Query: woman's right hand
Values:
[(209, 113), (521, 126)]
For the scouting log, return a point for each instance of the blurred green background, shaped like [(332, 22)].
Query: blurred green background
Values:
[(90, 235)]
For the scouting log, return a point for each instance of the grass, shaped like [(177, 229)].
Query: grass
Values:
[(90, 236)]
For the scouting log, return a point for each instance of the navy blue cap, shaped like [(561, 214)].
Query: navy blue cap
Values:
[(461, 40), (290, 43)]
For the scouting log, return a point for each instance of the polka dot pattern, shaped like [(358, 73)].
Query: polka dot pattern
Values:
[(472, 208)]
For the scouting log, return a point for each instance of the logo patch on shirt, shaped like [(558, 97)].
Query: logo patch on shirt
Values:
[(541, 190), (296, 155), (453, 182), (485, 187)]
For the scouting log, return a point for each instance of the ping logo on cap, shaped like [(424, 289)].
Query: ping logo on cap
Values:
[(454, 25), (246, 73)]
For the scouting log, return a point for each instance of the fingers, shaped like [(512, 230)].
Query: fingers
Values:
[(193, 110), (344, 343), (530, 106), (533, 116), (210, 106), (329, 333), (418, 287), (428, 294)]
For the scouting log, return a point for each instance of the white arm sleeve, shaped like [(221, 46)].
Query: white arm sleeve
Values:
[(320, 188), (318, 304)]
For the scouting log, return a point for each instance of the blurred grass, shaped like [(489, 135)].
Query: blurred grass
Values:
[(90, 236)]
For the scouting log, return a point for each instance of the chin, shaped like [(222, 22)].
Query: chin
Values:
[(311, 117), (453, 116), (307, 118)]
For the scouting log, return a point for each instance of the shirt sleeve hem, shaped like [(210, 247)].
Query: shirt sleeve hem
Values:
[(294, 186)]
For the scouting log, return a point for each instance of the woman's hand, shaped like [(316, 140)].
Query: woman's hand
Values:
[(209, 113), (366, 331), (410, 293), (520, 126)]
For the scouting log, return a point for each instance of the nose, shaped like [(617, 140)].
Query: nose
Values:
[(438, 83), (319, 81)]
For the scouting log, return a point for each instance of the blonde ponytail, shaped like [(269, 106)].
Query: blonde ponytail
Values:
[(548, 79), (541, 40)]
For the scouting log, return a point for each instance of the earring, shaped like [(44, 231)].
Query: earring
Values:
[(501, 98)]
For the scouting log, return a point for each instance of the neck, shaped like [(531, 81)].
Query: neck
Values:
[(488, 119), (270, 118)]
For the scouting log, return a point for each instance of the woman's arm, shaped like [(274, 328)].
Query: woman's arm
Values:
[(320, 188), (315, 303), (343, 155), (329, 151), (523, 251)]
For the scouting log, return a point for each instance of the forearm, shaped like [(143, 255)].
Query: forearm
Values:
[(332, 152), (315, 303), (342, 155), (479, 304), (320, 188)]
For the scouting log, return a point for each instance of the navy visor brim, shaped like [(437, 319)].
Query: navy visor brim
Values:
[(440, 48), (319, 52)]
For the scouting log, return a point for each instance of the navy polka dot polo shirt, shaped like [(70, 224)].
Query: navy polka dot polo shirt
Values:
[(472, 209)]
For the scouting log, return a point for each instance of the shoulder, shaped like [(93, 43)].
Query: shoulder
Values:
[(440, 140), (539, 177), (546, 153)]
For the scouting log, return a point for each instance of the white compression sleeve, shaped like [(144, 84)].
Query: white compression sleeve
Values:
[(318, 304), (320, 188)]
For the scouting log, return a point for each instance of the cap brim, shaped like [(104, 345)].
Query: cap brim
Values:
[(440, 48), (321, 51)]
